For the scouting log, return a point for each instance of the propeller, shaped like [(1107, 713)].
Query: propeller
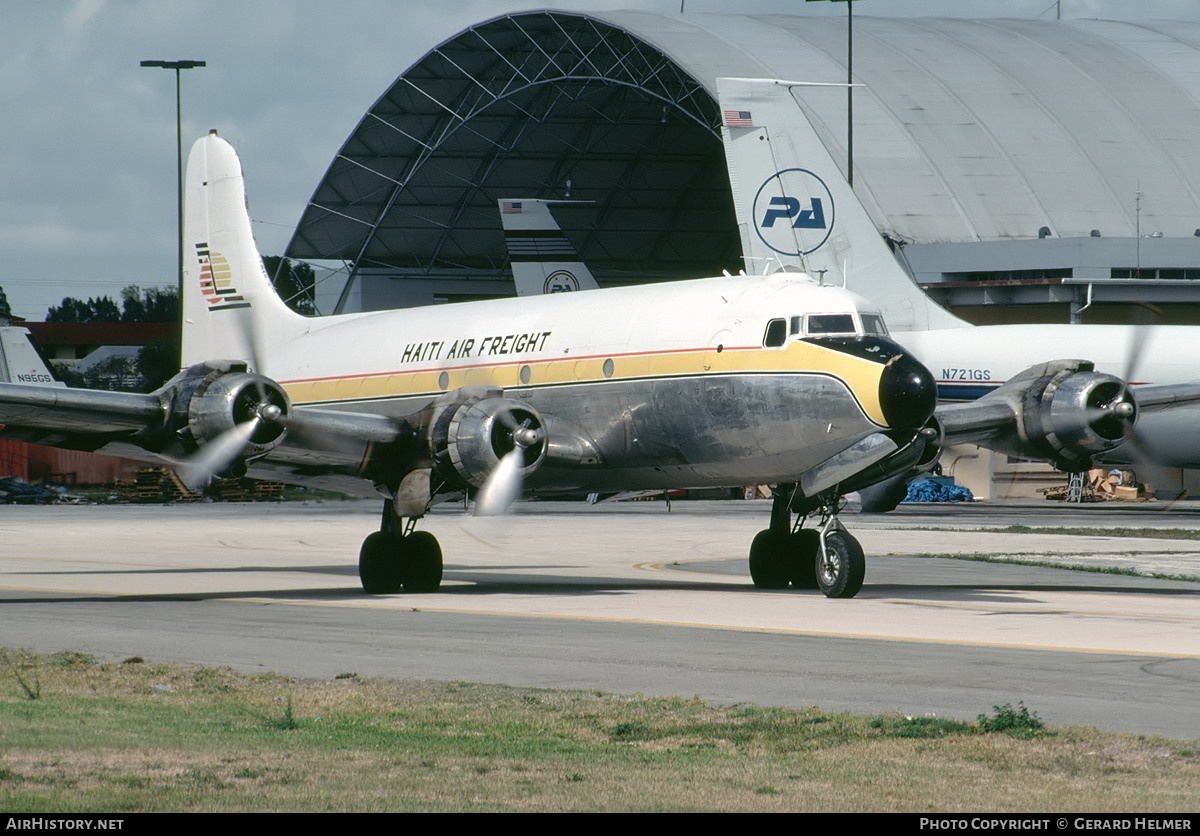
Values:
[(1121, 408), (503, 485), (257, 406), (1143, 460), (217, 455)]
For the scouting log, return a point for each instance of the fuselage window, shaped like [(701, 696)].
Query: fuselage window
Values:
[(776, 334), (873, 325), (827, 325)]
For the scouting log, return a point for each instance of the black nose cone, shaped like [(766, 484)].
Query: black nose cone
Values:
[(907, 393)]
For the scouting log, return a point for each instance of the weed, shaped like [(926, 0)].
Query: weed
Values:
[(1016, 722), (629, 731), (288, 721), (34, 691), (919, 727)]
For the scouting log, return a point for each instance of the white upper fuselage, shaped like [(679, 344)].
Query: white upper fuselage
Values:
[(968, 362), (661, 329)]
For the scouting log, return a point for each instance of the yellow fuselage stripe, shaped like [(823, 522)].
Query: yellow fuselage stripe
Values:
[(860, 375)]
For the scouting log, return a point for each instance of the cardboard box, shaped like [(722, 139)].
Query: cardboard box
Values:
[(1125, 493)]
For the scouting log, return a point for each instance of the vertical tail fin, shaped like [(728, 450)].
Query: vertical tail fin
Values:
[(230, 309), (794, 206), (543, 260), (20, 361)]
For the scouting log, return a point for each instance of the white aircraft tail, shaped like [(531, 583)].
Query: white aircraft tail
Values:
[(19, 360), (230, 308), (543, 260), (795, 208)]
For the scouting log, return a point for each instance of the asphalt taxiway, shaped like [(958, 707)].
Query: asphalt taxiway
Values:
[(630, 598)]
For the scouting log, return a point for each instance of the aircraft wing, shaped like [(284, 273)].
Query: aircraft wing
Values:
[(213, 408), (54, 410), (1063, 412), (1167, 396)]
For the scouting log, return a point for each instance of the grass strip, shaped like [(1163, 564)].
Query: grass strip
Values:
[(144, 737), (1147, 533), (1032, 560)]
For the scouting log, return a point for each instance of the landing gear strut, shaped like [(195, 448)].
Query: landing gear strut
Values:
[(826, 557), (397, 556)]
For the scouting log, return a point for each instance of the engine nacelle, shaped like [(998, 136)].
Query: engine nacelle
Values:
[(472, 434), (1071, 414), (213, 399)]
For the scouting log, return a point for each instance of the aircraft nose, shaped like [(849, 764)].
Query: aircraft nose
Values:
[(907, 393)]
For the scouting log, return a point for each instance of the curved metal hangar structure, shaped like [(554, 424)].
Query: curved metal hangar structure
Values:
[(965, 131)]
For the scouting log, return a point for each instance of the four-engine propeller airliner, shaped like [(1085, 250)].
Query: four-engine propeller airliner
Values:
[(716, 382)]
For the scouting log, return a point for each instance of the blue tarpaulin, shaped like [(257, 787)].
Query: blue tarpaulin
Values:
[(927, 490)]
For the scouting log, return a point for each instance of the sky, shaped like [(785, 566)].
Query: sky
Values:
[(88, 148)]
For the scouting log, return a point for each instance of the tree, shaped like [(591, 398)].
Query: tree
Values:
[(102, 309), (156, 364), (5, 309), (155, 304)]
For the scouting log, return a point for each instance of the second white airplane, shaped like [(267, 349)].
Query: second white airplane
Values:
[(796, 211)]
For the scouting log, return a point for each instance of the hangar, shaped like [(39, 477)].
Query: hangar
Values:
[(1049, 163)]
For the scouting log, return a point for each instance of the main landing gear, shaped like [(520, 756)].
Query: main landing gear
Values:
[(397, 556), (826, 557)]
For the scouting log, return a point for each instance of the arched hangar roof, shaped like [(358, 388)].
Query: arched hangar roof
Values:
[(964, 130)]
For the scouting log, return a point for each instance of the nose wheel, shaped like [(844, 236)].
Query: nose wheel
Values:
[(826, 557), (840, 563)]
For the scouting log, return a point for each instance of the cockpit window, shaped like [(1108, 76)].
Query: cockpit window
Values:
[(825, 325), (776, 334), (873, 325)]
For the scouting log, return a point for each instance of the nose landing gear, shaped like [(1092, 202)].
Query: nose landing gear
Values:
[(826, 557)]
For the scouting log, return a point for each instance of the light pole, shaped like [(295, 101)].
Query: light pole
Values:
[(177, 66), (849, 88)]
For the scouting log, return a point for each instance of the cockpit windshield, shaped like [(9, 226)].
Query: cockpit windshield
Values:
[(830, 325), (852, 324), (873, 325)]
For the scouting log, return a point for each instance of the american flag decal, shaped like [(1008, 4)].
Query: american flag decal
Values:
[(216, 281), (738, 119), (510, 207)]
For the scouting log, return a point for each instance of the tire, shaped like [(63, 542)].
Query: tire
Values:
[(805, 544), (422, 558), (841, 571), (379, 567), (768, 560)]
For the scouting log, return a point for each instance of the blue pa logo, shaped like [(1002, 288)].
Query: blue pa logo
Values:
[(793, 212)]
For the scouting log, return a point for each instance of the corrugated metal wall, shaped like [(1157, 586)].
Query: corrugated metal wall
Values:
[(38, 464)]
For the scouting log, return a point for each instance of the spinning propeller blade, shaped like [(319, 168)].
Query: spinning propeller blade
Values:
[(503, 485)]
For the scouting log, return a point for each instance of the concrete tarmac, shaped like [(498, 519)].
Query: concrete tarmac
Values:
[(629, 598)]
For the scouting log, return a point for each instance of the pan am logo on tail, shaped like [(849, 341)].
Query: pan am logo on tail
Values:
[(560, 281), (216, 281), (793, 212)]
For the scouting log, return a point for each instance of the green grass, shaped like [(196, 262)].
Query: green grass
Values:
[(130, 737), (1033, 559), (1151, 533)]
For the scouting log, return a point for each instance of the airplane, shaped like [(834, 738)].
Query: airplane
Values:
[(542, 259), (19, 360), (718, 382), (796, 211)]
